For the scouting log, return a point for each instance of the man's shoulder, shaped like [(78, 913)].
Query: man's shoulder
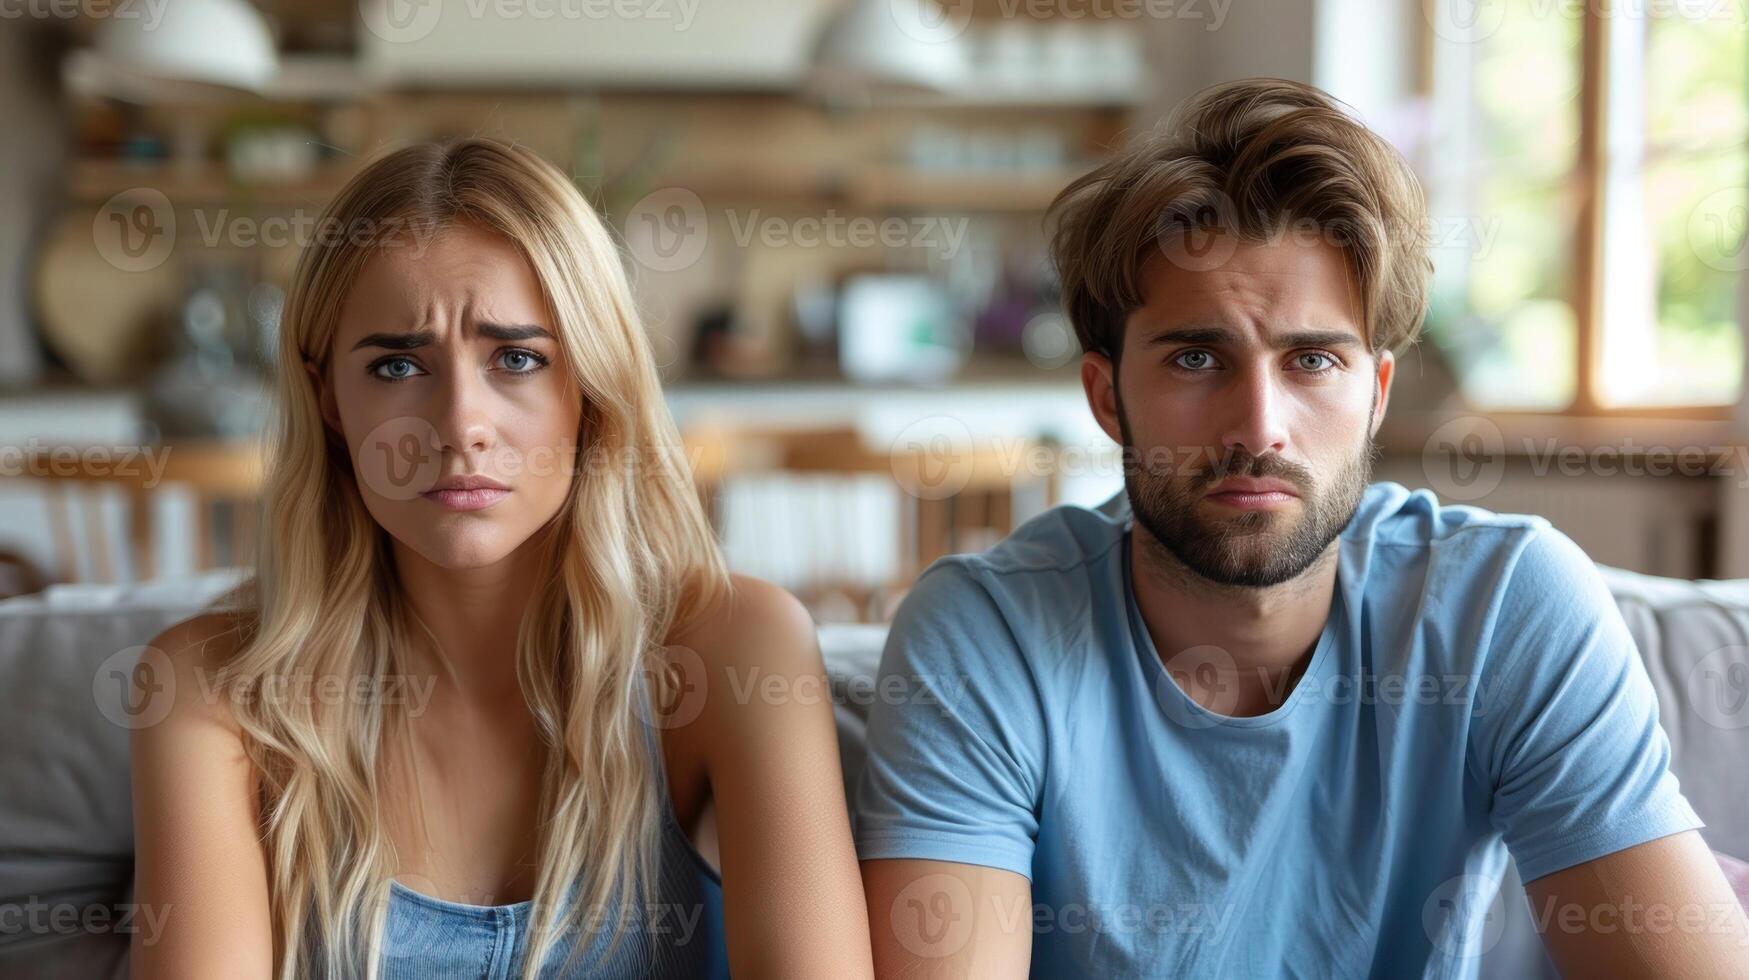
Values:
[(1031, 585), (1393, 515), (1409, 539), (1063, 540), (1472, 557)]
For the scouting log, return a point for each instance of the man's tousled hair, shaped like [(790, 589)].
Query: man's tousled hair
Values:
[(1252, 158)]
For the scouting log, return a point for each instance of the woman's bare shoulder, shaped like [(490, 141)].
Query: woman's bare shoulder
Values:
[(216, 633), (196, 650), (759, 624), (196, 810)]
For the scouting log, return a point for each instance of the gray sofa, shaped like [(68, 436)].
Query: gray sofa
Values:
[(66, 842)]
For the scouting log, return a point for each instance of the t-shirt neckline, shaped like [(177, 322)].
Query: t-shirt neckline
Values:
[(1179, 707)]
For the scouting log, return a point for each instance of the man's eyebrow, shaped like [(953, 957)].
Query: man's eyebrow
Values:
[(1288, 340), (415, 339)]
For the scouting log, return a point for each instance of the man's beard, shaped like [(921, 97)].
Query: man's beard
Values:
[(1252, 548)]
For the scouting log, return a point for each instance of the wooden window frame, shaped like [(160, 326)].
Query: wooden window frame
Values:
[(1590, 183)]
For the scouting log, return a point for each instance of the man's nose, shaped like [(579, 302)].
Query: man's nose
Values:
[(1255, 413)]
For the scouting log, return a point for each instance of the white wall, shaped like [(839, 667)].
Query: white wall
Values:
[(1238, 40)]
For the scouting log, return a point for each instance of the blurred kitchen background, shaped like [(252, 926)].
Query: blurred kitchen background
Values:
[(831, 209)]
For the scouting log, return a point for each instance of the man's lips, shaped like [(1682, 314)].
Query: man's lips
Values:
[(1253, 494)]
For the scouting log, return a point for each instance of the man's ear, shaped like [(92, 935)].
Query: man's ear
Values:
[(1099, 380), (324, 396), (1387, 370)]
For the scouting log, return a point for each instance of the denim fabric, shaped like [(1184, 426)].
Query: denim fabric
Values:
[(676, 932)]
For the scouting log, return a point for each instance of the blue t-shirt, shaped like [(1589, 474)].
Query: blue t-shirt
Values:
[(1475, 691)]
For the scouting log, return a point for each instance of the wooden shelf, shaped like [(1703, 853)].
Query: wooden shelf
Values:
[(96, 181), (880, 188), (884, 188), (301, 78), (876, 189), (1524, 433)]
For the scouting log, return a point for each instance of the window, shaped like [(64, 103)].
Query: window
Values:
[(1592, 158)]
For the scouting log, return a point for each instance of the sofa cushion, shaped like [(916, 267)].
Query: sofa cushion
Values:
[(66, 836), (1693, 637), (852, 652), (66, 824)]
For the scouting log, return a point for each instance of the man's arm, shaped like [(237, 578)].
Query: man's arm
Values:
[(1659, 909), (1620, 882), (938, 919), (947, 804)]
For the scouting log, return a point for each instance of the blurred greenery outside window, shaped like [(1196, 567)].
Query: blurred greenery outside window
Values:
[(1511, 165)]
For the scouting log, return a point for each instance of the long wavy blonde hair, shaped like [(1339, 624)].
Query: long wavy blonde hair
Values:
[(630, 554)]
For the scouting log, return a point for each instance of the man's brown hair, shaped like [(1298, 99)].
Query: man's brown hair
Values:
[(1252, 158)]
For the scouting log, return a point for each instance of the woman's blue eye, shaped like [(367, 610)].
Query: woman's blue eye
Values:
[(394, 369), (520, 361), (515, 361)]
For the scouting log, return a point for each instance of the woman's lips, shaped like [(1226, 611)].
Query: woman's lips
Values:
[(477, 499)]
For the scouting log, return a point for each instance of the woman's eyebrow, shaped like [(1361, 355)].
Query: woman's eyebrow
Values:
[(410, 340), (514, 331), (415, 339)]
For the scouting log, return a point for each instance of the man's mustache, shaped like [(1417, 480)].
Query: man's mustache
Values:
[(1276, 470)]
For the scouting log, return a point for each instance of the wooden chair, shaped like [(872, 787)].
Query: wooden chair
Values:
[(224, 477), (962, 502)]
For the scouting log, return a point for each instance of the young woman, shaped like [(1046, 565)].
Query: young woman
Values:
[(491, 681)]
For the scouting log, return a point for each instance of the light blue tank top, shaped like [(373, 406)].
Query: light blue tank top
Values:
[(676, 932)]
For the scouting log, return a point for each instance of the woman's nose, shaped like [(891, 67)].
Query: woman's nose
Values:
[(461, 412)]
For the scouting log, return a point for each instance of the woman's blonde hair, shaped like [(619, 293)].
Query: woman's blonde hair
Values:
[(1252, 158), (630, 555)]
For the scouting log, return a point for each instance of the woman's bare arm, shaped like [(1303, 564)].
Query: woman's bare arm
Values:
[(792, 893), (199, 866)]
